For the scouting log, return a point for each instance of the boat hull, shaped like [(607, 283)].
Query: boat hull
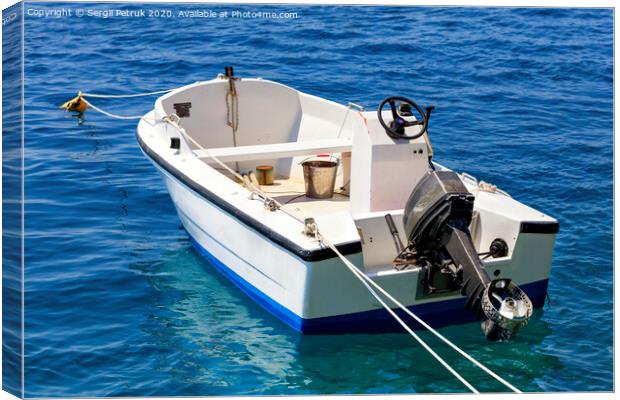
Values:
[(437, 314), (312, 296)]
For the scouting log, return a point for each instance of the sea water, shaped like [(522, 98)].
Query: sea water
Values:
[(119, 303)]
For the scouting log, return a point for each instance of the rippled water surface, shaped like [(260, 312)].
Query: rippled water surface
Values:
[(119, 303)]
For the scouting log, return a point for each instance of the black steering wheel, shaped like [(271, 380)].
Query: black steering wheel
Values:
[(396, 128)]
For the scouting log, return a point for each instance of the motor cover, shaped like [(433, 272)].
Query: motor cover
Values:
[(439, 194)]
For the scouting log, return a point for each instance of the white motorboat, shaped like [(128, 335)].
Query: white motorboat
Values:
[(250, 165)]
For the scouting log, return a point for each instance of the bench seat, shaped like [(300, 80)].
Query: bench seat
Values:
[(277, 150)]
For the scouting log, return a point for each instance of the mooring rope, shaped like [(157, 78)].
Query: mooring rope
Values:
[(123, 96), (363, 278), (80, 103), (173, 120), (268, 201), (115, 116), (358, 274)]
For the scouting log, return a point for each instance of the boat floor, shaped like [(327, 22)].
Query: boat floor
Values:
[(291, 194)]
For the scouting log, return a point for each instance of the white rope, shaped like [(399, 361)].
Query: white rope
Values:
[(253, 188), (115, 116), (418, 319), (358, 273), (171, 121), (123, 96)]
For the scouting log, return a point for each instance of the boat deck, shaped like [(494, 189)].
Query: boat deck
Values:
[(291, 194)]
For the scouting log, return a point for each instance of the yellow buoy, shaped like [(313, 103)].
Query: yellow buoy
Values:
[(76, 104)]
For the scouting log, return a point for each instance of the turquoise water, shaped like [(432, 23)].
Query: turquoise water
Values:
[(118, 303)]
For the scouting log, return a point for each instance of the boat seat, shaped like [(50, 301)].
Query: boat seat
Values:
[(277, 150)]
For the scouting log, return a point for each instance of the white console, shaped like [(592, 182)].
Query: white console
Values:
[(388, 169)]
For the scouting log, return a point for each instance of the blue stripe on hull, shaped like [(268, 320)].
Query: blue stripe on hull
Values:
[(447, 312)]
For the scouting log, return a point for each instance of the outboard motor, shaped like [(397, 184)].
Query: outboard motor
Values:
[(436, 219)]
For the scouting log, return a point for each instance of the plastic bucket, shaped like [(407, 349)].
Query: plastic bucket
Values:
[(320, 178)]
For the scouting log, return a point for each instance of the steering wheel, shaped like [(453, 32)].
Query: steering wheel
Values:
[(396, 128)]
